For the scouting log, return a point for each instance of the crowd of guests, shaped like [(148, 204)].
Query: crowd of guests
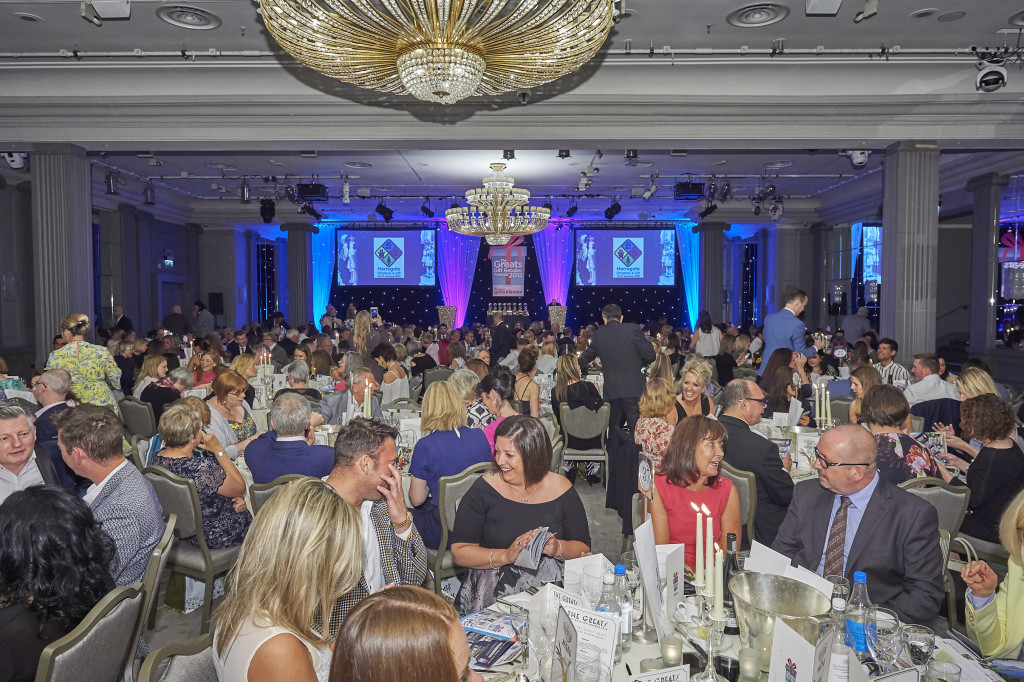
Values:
[(306, 595)]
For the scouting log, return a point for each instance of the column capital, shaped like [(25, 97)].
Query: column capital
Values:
[(987, 180), (299, 227), (912, 146), (712, 226), (821, 227), (58, 148)]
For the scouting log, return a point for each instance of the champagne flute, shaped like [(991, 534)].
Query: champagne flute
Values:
[(920, 644), (884, 636), (632, 578)]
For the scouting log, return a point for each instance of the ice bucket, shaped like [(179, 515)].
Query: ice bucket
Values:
[(760, 598)]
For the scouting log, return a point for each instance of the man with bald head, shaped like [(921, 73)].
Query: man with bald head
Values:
[(852, 520)]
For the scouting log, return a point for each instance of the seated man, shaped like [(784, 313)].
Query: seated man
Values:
[(51, 390), (343, 406), (742, 405), (512, 359), (21, 466), (288, 447), (364, 475), (852, 520), (122, 500), (929, 385)]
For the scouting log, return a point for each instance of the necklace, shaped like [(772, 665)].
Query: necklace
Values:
[(524, 500)]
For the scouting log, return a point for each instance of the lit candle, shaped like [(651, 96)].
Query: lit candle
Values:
[(828, 407), (719, 611), (709, 552), (366, 400), (698, 563)]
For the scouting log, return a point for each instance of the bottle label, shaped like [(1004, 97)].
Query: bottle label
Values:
[(855, 636), (839, 667), (626, 618)]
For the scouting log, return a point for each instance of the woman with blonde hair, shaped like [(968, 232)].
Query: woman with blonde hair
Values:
[(92, 369), (547, 361), (973, 382), (154, 370), (692, 397), (661, 368), (447, 447), (419, 631), (653, 429), (303, 551), (570, 388), (862, 380), (245, 366)]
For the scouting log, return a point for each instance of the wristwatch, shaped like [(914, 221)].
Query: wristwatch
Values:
[(400, 527)]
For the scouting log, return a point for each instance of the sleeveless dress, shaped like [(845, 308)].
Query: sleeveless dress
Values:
[(705, 408), (682, 520), (93, 371), (234, 666), (399, 388)]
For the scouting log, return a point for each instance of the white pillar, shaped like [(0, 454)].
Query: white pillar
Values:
[(987, 190), (712, 273), (300, 271)]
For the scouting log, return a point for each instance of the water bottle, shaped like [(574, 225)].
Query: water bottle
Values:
[(625, 607), (609, 603), (731, 568), (839, 663), (858, 614)]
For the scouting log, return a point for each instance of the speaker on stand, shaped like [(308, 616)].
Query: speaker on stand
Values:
[(216, 304)]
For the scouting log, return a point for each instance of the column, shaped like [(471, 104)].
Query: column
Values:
[(712, 271), (910, 228), (62, 243), (300, 271), (734, 280), (987, 190), (818, 295)]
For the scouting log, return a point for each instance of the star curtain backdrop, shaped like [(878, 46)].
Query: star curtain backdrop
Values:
[(456, 263), (554, 246), (688, 244)]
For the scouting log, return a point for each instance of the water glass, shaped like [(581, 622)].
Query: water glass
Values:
[(593, 672), (943, 671), (741, 559), (884, 636), (572, 581), (593, 582), (840, 586), (919, 642)]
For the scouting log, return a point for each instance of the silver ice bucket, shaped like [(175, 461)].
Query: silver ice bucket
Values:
[(760, 598)]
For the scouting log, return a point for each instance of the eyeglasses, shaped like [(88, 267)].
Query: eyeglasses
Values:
[(763, 401), (820, 459)]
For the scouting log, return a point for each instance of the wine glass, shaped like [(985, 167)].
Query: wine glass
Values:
[(593, 582), (632, 577), (920, 644), (521, 622), (884, 636)]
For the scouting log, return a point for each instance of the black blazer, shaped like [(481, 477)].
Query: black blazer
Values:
[(233, 350), (45, 428), (749, 451), (288, 345), (897, 546), (502, 342), (624, 351)]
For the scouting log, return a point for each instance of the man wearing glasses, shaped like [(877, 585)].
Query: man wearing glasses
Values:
[(851, 520), (742, 403)]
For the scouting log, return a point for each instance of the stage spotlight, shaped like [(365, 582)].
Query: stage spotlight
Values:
[(650, 191), (712, 189), (710, 208), (267, 210), (289, 193), (571, 211), (564, 154), (244, 191), (384, 212), (613, 210), (757, 207), (110, 181), (425, 209), (776, 210), (308, 209), (630, 153), (509, 154), (149, 194), (991, 75), (725, 194)]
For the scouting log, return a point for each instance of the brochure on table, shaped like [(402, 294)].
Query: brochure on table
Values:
[(672, 565), (563, 662), (679, 673), (580, 566), (796, 410), (763, 559), (647, 559), (594, 629), (549, 591)]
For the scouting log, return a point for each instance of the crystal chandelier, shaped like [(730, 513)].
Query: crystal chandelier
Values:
[(440, 50), (498, 211)]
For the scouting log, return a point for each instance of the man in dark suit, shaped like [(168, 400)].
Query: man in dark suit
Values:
[(290, 341), (278, 356), (51, 390), (624, 351), (852, 520), (288, 447), (742, 405), (503, 340), (121, 499), (120, 321), (342, 407), (175, 322), (240, 345)]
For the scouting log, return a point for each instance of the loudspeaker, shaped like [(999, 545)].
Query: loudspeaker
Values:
[(215, 300)]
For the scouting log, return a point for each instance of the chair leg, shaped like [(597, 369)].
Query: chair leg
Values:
[(207, 604)]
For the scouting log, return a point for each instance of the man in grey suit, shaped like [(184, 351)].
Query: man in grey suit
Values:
[(343, 406), (624, 350), (742, 404), (852, 520), (121, 499)]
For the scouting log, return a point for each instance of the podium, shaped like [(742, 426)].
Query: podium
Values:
[(556, 315), (446, 315)]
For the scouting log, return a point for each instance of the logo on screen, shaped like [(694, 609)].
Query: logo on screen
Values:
[(390, 261), (629, 258)]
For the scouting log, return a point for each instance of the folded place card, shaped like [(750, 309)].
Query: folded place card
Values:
[(764, 559), (530, 555), (679, 673)]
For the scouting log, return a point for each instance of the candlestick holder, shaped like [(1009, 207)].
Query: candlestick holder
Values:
[(645, 634), (715, 627)]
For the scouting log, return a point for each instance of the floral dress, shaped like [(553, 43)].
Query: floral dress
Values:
[(222, 525), (652, 434), (92, 369), (245, 428), (900, 457)]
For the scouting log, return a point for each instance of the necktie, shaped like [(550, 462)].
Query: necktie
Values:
[(837, 540)]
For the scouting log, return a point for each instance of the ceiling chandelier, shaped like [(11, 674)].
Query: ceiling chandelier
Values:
[(440, 50), (498, 211)]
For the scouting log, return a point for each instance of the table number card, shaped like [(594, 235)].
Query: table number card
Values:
[(675, 565), (597, 630), (677, 674), (794, 659)]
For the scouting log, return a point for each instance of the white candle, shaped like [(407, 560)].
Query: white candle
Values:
[(719, 611), (709, 553), (366, 400), (828, 407), (698, 563)]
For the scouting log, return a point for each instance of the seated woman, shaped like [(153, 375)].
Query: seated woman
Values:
[(797, 364), (657, 420), (123, 356), (861, 381), (12, 383), (504, 510), (689, 475), (297, 375), (571, 389), (420, 631), (971, 383), (304, 352), (527, 391), (477, 414), (997, 473), (230, 417), (547, 360), (741, 351), (55, 563), (692, 398), (661, 368), (346, 360), (320, 363), (303, 551), (725, 361), (162, 393), (456, 355), (202, 408), (245, 366), (779, 390), (886, 413), (819, 371), (395, 383), (422, 361), (495, 390), (447, 447), (205, 366), (221, 488), (995, 620), (154, 369)]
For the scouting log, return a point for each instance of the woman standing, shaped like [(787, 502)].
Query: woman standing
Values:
[(92, 369), (395, 382), (527, 392), (230, 418), (707, 337)]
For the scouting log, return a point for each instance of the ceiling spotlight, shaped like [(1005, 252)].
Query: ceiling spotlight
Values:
[(571, 211), (650, 191), (244, 191), (858, 157), (712, 189), (149, 194), (384, 212), (509, 154), (308, 209), (564, 154), (267, 210), (345, 198), (89, 14), (110, 181), (725, 194), (425, 209), (613, 210), (756, 206), (776, 210), (709, 208), (289, 193), (630, 153), (991, 75)]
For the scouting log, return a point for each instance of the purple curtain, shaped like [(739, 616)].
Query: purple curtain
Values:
[(456, 263), (554, 246)]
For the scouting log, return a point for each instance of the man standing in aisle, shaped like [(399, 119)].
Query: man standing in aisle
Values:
[(785, 329), (624, 351), (502, 338), (856, 326)]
